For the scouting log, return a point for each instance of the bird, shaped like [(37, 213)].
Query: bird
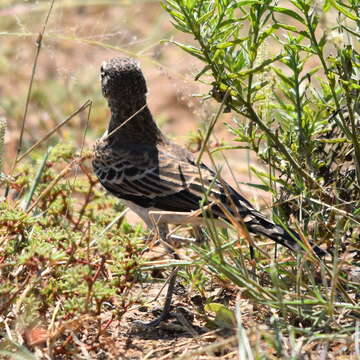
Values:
[(137, 163)]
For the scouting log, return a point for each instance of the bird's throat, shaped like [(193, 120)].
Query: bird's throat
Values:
[(133, 122)]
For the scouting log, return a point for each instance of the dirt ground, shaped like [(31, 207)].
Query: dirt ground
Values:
[(183, 336)]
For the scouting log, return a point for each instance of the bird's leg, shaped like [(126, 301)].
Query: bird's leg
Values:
[(141, 325), (199, 234), (253, 262), (163, 233), (163, 230)]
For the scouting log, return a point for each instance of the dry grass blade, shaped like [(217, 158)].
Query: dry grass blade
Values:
[(244, 348), (125, 122), (87, 104), (209, 349), (2, 139), (84, 106), (183, 218), (38, 48), (211, 127)]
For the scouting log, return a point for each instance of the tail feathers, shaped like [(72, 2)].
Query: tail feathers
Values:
[(288, 238), (257, 223)]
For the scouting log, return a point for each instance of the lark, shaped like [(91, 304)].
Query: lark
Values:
[(138, 164)]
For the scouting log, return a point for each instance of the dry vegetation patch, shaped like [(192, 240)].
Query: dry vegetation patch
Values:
[(74, 273)]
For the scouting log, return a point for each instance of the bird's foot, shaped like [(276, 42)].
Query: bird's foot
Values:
[(139, 325)]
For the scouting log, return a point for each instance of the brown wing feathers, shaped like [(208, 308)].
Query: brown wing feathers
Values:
[(138, 164)]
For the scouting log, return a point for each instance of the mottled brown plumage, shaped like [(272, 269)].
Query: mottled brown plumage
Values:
[(137, 163)]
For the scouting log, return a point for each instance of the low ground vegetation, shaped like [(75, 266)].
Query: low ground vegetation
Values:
[(75, 274)]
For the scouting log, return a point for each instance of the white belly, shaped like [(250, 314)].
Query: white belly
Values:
[(143, 213)]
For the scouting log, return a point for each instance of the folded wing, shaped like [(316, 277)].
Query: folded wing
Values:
[(157, 178)]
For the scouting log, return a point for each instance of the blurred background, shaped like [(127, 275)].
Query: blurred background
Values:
[(80, 35)]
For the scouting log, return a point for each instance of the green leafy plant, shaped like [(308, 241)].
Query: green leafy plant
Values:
[(310, 92), (290, 75), (61, 249)]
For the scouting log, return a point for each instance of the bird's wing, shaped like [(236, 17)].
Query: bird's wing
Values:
[(161, 178)]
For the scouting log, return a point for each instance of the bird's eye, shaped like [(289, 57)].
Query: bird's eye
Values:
[(102, 71)]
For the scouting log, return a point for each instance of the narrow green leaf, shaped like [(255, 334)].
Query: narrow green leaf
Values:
[(258, 86), (189, 4), (246, 2), (227, 22), (205, 17), (290, 28), (343, 10), (288, 12), (225, 45), (286, 79), (171, 4), (310, 73), (202, 72), (224, 318), (261, 66), (265, 34), (327, 5), (257, 186), (190, 49), (176, 15), (182, 28), (351, 31), (28, 197)]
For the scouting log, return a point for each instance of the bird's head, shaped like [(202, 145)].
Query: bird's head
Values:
[(122, 79)]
